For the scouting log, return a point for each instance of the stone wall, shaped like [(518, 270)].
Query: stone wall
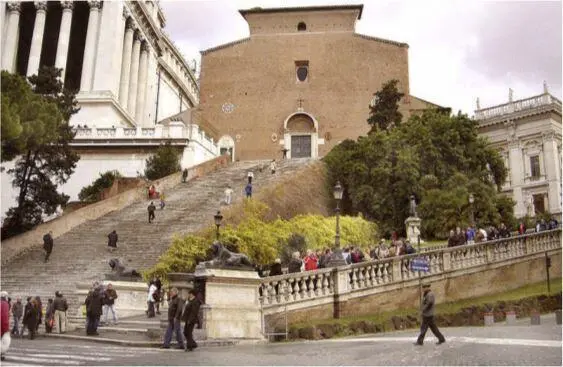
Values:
[(19, 245)]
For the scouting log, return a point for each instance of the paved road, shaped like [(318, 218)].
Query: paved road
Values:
[(498, 345)]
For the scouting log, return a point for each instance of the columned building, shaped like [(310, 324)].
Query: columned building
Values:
[(527, 132), (129, 76)]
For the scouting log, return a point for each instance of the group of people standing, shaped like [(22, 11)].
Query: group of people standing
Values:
[(179, 311)]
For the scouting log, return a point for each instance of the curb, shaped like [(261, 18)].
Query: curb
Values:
[(154, 344)]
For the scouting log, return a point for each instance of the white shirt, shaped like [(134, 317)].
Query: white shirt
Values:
[(273, 166), (250, 174), (152, 289), (228, 191)]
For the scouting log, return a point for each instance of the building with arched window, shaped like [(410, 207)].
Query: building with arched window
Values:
[(303, 80)]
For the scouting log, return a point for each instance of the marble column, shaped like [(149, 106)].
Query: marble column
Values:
[(517, 175), (11, 37), (126, 63), (37, 39), (64, 37), (142, 84), (90, 47), (134, 75), (552, 173)]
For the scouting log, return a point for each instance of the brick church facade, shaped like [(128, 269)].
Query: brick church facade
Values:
[(303, 80)]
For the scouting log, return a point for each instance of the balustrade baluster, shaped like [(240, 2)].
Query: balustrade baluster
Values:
[(295, 287), (386, 276), (325, 284), (371, 272), (361, 278)]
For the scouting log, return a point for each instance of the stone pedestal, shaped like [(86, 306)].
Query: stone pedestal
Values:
[(489, 319), (232, 308), (413, 229), (131, 297)]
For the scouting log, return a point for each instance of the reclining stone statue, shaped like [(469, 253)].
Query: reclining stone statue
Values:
[(120, 271), (223, 258)]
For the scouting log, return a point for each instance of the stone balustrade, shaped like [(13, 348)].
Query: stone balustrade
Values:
[(521, 105), (313, 288)]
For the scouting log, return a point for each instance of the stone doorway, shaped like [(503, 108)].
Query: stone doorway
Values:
[(300, 146)]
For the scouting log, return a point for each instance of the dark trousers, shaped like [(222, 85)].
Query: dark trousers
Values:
[(174, 326), (151, 216), (47, 254), (32, 331), (189, 334), (93, 321), (428, 322)]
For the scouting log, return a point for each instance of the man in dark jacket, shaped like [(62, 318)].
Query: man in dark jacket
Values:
[(17, 312), (39, 313), (427, 313), (60, 306), (190, 317), (175, 306), (151, 209), (93, 310), (48, 245), (112, 240)]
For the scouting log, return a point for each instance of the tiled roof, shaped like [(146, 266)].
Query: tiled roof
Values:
[(400, 44), (225, 45)]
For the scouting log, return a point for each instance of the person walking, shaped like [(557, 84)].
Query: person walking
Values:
[(284, 152), (48, 245), (60, 306), (190, 317), (248, 191), (17, 312), (228, 195), (151, 299), (184, 175), (5, 324), (250, 176), (273, 166), (175, 307), (157, 294), (151, 209), (110, 295), (30, 318), (94, 310), (427, 313), (49, 317), (112, 241), (162, 202), (39, 313)]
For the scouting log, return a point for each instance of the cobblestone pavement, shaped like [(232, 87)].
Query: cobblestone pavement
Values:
[(522, 345)]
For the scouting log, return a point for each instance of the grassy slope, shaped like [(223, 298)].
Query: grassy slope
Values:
[(451, 307)]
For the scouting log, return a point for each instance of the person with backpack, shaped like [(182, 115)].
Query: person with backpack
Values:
[(60, 306), (151, 209)]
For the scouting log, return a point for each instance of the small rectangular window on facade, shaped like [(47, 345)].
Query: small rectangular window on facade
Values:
[(535, 166), (302, 70)]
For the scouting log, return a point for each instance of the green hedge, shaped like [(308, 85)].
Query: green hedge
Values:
[(261, 240)]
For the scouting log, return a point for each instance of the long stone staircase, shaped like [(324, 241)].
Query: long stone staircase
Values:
[(81, 255)]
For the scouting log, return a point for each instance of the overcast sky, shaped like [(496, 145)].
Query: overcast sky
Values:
[(459, 50)]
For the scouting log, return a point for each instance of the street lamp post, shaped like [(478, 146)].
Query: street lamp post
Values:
[(471, 201), (336, 259), (218, 218)]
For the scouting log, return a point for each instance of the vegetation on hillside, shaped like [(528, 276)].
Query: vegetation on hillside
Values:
[(164, 162), (437, 157), (262, 240), (36, 134), (93, 192)]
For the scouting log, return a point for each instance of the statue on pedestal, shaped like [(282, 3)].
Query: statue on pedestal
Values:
[(412, 210), (223, 258)]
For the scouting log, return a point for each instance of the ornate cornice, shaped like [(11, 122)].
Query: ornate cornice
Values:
[(146, 25), (40, 5)]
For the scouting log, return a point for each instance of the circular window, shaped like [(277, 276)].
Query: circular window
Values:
[(302, 72)]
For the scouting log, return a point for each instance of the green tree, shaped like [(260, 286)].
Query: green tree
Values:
[(44, 157), (437, 157), (92, 193), (164, 162), (384, 113), (16, 95)]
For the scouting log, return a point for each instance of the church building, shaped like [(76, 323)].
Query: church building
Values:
[(303, 80)]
